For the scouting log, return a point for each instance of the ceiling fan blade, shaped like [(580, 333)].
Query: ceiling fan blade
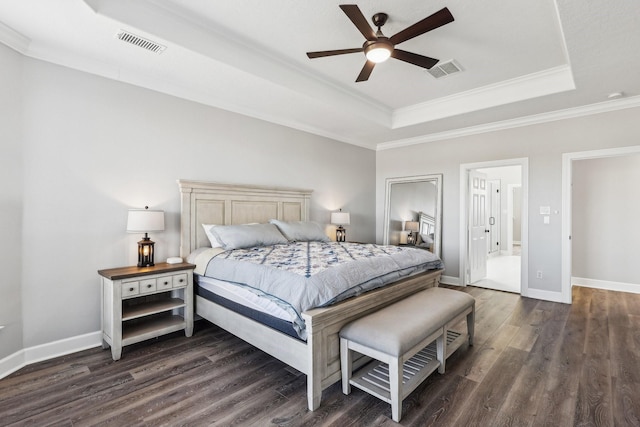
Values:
[(414, 58), (333, 52), (353, 12), (366, 71), (438, 19)]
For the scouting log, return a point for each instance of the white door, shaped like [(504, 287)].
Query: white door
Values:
[(493, 212), (478, 226)]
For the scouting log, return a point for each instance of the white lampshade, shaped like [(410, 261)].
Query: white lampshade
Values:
[(411, 226), (340, 218), (145, 220)]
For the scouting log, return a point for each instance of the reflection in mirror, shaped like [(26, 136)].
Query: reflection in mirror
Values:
[(414, 199)]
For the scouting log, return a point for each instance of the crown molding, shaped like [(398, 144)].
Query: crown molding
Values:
[(598, 108), (14, 39), (546, 82)]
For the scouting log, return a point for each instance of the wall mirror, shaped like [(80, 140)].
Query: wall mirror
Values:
[(415, 199)]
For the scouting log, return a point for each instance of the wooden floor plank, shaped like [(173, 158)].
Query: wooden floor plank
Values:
[(534, 363)]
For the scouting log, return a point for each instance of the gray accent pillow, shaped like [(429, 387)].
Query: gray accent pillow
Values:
[(247, 235), (301, 231)]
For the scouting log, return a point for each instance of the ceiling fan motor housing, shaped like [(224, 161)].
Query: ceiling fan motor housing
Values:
[(379, 19)]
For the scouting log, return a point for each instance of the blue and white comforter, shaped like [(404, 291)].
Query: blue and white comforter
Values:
[(304, 275)]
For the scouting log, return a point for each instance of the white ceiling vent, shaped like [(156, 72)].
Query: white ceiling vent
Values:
[(140, 41), (444, 69)]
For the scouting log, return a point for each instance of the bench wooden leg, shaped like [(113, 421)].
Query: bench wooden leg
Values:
[(471, 321), (395, 383), (346, 365), (441, 350)]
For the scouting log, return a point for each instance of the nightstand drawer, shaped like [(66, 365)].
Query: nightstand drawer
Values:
[(130, 288), (180, 280), (164, 283), (147, 285)]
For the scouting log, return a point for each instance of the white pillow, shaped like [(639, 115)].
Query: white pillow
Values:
[(214, 241), (301, 231), (426, 238), (247, 235)]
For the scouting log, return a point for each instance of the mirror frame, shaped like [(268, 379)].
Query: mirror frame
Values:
[(437, 178)]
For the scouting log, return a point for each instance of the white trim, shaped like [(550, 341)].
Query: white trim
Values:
[(545, 82), (569, 113), (567, 164), (14, 39), (544, 295), (633, 288), (464, 196), (450, 280), (510, 241), (47, 351)]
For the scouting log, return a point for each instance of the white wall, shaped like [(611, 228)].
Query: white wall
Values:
[(605, 212), (10, 201), (543, 144), (95, 147)]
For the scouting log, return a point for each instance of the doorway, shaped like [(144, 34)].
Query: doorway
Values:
[(502, 264), (568, 160)]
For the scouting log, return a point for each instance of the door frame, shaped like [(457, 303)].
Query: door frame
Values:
[(567, 177), (510, 188), (464, 219)]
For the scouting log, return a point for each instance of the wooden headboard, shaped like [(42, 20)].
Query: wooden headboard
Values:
[(229, 204)]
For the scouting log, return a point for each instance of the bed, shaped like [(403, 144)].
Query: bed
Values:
[(319, 356)]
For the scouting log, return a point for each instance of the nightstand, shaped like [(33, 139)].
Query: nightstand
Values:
[(139, 303)]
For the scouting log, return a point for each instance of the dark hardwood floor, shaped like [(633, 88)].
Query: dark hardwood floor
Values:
[(533, 363)]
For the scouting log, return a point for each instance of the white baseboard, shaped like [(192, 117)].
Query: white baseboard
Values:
[(47, 351), (450, 280), (543, 295), (605, 284)]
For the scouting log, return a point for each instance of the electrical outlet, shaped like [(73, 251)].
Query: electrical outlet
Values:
[(539, 274)]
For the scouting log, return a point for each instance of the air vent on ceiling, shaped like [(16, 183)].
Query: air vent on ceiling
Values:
[(444, 69), (140, 41)]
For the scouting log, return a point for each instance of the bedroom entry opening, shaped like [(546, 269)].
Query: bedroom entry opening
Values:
[(493, 244)]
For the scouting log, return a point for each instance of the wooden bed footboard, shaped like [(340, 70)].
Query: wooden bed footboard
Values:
[(319, 358), (324, 324)]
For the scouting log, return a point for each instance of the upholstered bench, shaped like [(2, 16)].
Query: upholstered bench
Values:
[(402, 336)]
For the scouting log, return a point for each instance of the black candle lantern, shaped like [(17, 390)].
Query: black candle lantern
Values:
[(412, 226), (145, 252), (144, 221)]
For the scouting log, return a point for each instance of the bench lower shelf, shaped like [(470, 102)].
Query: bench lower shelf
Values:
[(374, 377)]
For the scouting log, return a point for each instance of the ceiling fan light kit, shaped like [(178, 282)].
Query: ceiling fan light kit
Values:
[(378, 51), (378, 48)]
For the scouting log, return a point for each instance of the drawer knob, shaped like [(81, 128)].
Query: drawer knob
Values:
[(130, 289), (181, 280), (148, 286), (166, 283)]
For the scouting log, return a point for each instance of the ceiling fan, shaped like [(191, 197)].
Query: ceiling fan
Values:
[(378, 48)]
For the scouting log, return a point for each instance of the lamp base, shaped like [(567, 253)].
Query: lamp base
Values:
[(145, 252), (341, 234), (411, 238)]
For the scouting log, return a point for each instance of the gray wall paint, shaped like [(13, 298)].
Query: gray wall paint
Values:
[(605, 228), (543, 144), (10, 201), (95, 147)]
